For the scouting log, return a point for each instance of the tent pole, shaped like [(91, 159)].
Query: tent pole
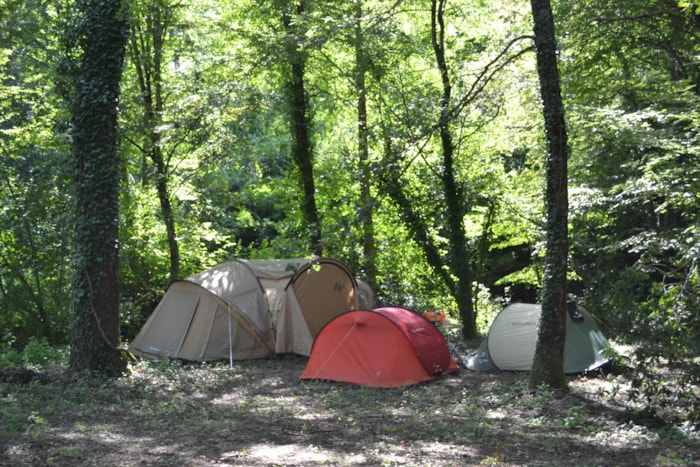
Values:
[(230, 338), (354, 325)]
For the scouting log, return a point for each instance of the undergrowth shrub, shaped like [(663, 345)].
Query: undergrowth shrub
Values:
[(9, 357), (671, 346), (486, 309), (39, 353), (36, 354)]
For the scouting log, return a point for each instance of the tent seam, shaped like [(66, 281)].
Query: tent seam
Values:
[(335, 350)]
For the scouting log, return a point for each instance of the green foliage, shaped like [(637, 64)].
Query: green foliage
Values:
[(39, 353), (35, 221), (486, 309), (36, 354), (9, 357), (672, 313), (635, 238)]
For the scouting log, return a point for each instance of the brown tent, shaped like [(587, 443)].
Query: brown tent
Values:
[(248, 309)]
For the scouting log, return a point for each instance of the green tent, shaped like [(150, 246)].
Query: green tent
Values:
[(510, 344)]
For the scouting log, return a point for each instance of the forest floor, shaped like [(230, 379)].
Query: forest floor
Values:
[(260, 413)]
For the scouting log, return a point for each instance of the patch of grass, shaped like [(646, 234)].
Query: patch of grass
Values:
[(167, 413)]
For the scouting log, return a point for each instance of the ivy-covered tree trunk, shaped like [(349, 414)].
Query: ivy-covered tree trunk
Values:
[(548, 366), (459, 259), (366, 200), (95, 332), (302, 152)]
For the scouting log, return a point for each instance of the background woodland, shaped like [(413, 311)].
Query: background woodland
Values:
[(404, 138)]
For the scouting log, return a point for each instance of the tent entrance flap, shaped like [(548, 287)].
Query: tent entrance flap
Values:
[(241, 321)]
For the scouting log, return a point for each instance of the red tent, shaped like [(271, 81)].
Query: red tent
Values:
[(386, 347)]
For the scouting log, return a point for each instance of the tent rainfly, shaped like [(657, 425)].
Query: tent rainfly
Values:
[(386, 347), (510, 344), (244, 309)]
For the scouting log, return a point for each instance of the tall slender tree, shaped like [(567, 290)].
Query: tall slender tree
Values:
[(366, 200), (299, 116), (152, 21), (440, 231), (100, 37), (459, 258), (548, 366)]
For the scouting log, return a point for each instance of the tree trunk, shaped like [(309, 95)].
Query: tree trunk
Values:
[(548, 366), (146, 52), (166, 211), (412, 219), (459, 258), (300, 125), (366, 216), (95, 333)]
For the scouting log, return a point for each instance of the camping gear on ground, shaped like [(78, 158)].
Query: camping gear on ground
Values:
[(248, 309), (435, 317), (510, 344), (385, 347)]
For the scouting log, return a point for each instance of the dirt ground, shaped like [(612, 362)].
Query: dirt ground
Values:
[(260, 413)]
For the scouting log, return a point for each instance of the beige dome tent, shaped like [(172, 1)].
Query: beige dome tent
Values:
[(510, 344), (248, 309)]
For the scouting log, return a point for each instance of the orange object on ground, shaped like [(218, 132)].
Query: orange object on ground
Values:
[(441, 318), (435, 317), (386, 347)]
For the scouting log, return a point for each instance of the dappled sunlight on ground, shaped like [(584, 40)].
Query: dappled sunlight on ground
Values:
[(261, 413), (295, 454)]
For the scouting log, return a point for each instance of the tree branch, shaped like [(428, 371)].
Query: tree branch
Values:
[(652, 14)]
